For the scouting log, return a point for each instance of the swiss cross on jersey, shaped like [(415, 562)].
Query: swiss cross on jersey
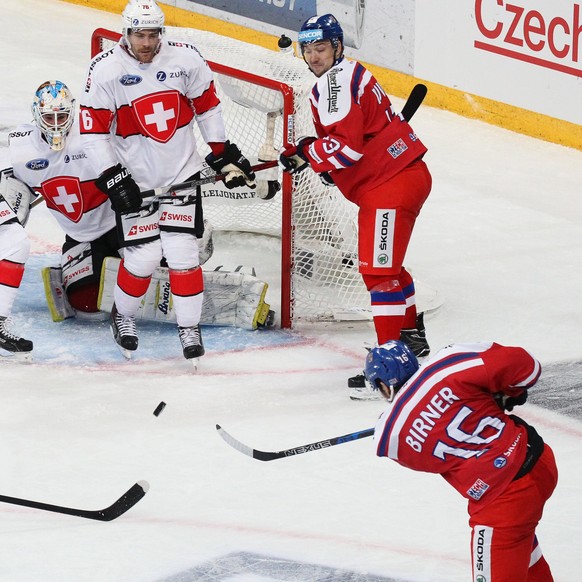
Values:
[(63, 193), (157, 114)]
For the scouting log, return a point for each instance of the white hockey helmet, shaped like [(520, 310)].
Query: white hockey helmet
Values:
[(53, 110), (141, 14)]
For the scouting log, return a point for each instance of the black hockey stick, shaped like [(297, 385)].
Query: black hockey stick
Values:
[(414, 101), (162, 193), (272, 455), (125, 502)]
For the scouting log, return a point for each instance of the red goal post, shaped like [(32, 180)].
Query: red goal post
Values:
[(265, 93)]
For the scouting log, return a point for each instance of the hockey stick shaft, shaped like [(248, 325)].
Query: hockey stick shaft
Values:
[(412, 104), (119, 507), (272, 455), (160, 193), (414, 101)]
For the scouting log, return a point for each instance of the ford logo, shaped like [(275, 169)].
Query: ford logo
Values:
[(130, 80), (39, 164)]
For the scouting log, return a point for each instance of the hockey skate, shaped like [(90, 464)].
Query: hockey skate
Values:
[(361, 389), (11, 345), (192, 346), (415, 339), (124, 332)]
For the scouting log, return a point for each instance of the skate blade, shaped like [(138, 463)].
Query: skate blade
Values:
[(15, 357), (124, 352), (195, 363)]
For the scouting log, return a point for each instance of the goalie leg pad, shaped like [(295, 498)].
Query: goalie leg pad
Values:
[(230, 298), (56, 297)]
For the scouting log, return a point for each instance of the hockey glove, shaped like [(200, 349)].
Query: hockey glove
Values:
[(121, 188), (326, 179), (231, 162), (293, 159), (16, 194), (506, 402)]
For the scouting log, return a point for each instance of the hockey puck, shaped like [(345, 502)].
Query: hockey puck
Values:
[(159, 408)]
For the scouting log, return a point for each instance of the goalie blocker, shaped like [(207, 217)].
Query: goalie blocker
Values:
[(230, 298)]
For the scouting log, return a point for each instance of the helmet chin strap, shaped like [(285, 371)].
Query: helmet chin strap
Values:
[(387, 391)]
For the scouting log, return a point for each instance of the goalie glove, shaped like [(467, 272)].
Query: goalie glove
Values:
[(506, 402), (293, 159), (121, 188), (231, 162), (16, 194)]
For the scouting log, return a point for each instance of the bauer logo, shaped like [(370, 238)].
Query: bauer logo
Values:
[(40, 164), (127, 80)]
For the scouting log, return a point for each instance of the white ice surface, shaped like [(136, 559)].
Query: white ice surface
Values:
[(500, 238)]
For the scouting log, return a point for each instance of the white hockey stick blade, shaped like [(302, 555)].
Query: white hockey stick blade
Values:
[(235, 444)]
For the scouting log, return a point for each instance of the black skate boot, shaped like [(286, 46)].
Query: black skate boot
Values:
[(191, 340), (357, 381), (124, 332), (12, 343), (415, 339)]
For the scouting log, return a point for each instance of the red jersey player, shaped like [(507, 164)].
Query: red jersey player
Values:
[(374, 157), (448, 417)]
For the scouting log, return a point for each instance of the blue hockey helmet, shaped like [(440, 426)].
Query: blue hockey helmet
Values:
[(392, 363), (318, 28)]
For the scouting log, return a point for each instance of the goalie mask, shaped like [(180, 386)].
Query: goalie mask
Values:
[(53, 110), (140, 16), (390, 364)]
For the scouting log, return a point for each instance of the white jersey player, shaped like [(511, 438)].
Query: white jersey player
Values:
[(48, 156), (140, 102), (14, 252)]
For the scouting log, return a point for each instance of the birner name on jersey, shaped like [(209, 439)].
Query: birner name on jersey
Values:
[(422, 425)]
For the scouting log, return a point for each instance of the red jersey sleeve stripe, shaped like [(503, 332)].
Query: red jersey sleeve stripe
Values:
[(207, 101), (101, 120)]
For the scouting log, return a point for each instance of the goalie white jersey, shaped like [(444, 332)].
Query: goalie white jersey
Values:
[(65, 178), (150, 109)]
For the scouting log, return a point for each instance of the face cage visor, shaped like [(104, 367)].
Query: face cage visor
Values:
[(55, 123)]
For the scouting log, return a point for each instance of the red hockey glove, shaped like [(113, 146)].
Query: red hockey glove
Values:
[(293, 159)]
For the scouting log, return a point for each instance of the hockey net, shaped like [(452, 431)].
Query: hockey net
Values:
[(264, 95)]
